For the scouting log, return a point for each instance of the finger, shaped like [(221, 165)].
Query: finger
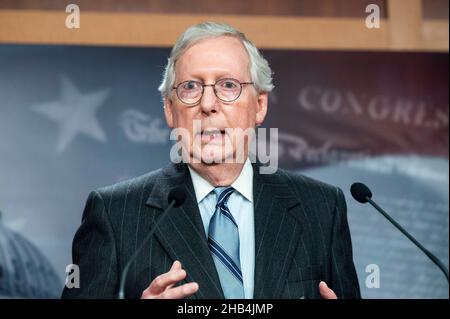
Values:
[(326, 292), (161, 283), (176, 265), (149, 292), (180, 292)]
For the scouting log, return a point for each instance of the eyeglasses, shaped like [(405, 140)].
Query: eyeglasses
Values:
[(227, 90)]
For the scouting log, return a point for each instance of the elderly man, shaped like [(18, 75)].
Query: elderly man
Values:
[(239, 233)]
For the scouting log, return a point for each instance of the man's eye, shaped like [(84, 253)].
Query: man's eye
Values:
[(190, 86), (229, 85)]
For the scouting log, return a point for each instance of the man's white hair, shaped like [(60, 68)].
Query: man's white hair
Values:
[(260, 72)]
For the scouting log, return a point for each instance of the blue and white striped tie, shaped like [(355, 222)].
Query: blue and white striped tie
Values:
[(223, 240)]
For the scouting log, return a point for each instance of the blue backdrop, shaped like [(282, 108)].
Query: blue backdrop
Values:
[(76, 118)]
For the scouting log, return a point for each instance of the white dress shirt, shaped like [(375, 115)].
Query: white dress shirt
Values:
[(241, 207)]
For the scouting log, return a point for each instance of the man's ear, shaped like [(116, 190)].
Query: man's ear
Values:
[(168, 112), (262, 107)]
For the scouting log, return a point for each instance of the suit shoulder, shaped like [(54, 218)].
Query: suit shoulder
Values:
[(130, 185), (321, 199), (300, 182)]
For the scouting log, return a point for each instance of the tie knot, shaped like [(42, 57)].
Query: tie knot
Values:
[(222, 194)]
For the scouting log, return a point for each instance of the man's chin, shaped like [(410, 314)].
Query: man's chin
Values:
[(214, 156), (215, 160)]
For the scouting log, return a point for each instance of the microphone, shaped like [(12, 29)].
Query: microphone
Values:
[(176, 198), (362, 194)]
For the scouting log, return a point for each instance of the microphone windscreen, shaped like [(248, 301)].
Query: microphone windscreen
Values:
[(360, 192), (178, 195)]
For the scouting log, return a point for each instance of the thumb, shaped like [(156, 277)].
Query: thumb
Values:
[(326, 292), (176, 265)]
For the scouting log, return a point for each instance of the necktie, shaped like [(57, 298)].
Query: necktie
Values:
[(223, 241)]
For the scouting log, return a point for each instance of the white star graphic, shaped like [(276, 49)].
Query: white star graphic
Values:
[(75, 113)]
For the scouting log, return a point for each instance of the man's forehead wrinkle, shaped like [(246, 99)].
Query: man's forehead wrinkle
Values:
[(210, 73), (223, 38), (231, 43), (210, 68)]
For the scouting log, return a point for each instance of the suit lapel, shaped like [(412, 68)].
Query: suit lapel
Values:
[(182, 233), (183, 237), (276, 232)]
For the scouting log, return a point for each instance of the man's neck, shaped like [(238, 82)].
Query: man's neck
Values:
[(223, 174)]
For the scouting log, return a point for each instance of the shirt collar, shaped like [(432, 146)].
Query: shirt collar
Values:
[(243, 184)]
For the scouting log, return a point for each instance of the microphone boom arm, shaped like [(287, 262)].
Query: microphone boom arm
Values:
[(133, 257), (410, 237)]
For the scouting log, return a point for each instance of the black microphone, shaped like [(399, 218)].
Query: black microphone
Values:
[(362, 194), (176, 198)]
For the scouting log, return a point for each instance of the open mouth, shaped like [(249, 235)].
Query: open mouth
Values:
[(209, 135)]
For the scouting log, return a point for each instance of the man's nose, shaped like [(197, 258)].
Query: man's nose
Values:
[(209, 101)]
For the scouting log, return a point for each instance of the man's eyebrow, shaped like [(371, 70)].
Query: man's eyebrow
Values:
[(192, 78), (201, 79)]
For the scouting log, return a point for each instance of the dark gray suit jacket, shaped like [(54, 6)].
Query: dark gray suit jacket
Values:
[(301, 237)]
